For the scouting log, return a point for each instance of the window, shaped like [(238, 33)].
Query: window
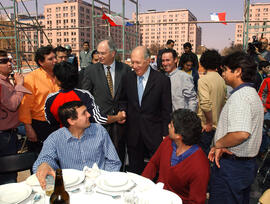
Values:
[(49, 10)]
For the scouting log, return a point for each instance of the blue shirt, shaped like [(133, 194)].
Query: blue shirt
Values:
[(177, 159), (95, 146), (145, 78)]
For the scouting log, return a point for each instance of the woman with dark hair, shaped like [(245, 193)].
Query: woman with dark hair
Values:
[(186, 65)]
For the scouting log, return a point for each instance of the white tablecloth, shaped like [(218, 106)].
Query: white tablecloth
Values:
[(144, 189)]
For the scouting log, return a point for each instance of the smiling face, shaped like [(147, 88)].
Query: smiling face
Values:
[(168, 62), (106, 56), (138, 62)]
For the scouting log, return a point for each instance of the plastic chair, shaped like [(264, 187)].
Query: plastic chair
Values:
[(17, 162)]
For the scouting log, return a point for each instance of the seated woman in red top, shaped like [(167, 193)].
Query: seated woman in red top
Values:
[(180, 162)]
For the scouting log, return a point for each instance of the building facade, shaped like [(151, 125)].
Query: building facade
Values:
[(257, 12), (70, 23), (162, 25)]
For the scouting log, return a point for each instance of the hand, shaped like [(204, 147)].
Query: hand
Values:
[(207, 127), (30, 133), (121, 115), (257, 51), (216, 153), (43, 170), (18, 79), (121, 121), (265, 110)]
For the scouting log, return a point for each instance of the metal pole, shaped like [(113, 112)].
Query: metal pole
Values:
[(37, 41), (123, 30), (109, 25), (137, 24), (16, 34), (93, 25), (246, 24)]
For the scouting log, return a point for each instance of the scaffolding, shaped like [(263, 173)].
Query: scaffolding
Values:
[(18, 29), (14, 33), (247, 26)]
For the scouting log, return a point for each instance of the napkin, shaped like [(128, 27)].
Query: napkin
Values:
[(93, 172)]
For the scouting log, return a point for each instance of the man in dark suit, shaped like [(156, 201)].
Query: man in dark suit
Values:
[(103, 80), (146, 98)]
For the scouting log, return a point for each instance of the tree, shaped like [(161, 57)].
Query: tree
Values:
[(154, 48), (232, 48)]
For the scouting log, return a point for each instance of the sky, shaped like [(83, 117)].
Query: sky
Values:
[(215, 35)]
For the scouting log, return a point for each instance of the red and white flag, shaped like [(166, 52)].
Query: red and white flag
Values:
[(113, 20), (219, 17)]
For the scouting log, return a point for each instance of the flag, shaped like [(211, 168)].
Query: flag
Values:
[(115, 20), (218, 17), (129, 24)]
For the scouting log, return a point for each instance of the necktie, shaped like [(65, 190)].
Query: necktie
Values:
[(140, 89), (109, 79)]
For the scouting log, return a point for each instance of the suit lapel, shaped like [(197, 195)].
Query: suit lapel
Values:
[(150, 83), (133, 81), (118, 69)]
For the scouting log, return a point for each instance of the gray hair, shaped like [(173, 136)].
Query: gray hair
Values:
[(147, 53), (111, 44)]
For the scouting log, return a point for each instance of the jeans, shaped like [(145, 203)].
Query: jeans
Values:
[(8, 146), (230, 184)]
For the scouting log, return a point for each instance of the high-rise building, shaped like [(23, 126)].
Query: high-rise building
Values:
[(257, 12), (68, 23), (162, 26)]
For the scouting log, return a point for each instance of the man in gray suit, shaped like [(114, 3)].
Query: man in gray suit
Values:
[(103, 80)]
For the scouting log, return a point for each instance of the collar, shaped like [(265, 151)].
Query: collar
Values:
[(177, 159), (146, 74), (172, 73), (111, 65), (69, 136), (241, 86)]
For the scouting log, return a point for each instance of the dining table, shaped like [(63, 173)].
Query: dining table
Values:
[(97, 186)]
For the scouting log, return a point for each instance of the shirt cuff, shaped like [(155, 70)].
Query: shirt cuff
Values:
[(21, 88)]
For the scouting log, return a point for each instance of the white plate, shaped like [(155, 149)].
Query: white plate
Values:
[(116, 179), (104, 183), (72, 177), (14, 193)]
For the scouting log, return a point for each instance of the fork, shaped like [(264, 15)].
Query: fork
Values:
[(113, 196), (36, 198)]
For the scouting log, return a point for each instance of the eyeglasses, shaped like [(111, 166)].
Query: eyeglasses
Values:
[(5, 60)]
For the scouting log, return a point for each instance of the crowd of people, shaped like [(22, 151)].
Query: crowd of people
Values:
[(110, 112)]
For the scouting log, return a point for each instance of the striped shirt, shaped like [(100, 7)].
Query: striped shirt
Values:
[(55, 100), (95, 146)]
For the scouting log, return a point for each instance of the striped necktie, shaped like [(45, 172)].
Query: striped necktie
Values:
[(109, 79)]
